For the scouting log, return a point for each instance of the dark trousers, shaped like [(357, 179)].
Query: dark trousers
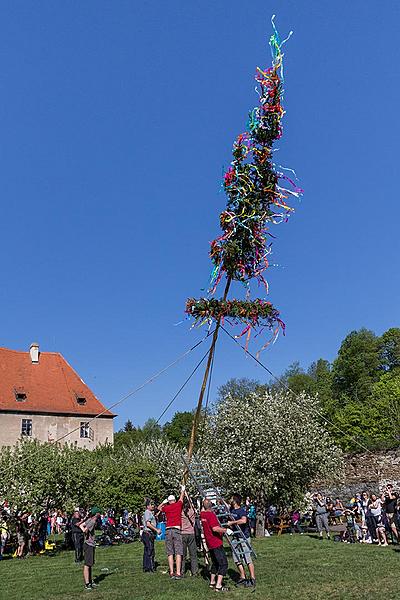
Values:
[(371, 524), (148, 551), (295, 527), (219, 562), (78, 539), (189, 543)]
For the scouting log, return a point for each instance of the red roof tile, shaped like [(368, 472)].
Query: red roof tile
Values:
[(51, 385)]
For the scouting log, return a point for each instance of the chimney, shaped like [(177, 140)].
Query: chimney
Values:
[(34, 352)]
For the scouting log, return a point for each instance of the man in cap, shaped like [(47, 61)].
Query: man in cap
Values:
[(88, 527), (149, 533), (173, 534)]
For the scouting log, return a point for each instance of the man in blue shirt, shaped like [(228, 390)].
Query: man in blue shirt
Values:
[(239, 514)]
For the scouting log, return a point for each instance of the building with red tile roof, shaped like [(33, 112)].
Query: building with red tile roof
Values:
[(42, 397)]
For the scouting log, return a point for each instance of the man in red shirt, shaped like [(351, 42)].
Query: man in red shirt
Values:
[(173, 534), (213, 533)]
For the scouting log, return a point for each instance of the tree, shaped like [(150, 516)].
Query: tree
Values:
[(164, 456), (321, 373), (37, 476), (374, 423), (389, 349), (356, 367), (386, 395), (295, 379), (301, 382), (269, 446), (127, 437), (239, 389), (129, 426), (151, 430), (124, 484), (178, 430)]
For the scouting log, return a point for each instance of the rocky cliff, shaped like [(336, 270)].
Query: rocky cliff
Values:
[(366, 471)]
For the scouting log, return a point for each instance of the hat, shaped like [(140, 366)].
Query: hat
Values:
[(171, 498), (94, 510)]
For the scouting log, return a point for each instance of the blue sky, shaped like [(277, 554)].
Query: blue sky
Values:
[(117, 118)]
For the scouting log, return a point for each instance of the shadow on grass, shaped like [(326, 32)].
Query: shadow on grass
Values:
[(103, 576)]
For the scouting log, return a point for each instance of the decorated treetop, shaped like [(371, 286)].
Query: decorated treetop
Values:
[(257, 193)]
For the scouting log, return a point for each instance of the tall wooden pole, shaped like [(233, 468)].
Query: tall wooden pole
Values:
[(197, 415)]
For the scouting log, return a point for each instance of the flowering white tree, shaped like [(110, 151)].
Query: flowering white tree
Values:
[(164, 456), (270, 446)]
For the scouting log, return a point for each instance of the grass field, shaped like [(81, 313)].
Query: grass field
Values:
[(287, 567)]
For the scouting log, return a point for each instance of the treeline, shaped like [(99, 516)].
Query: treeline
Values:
[(359, 392), (177, 431), (359, 395), (269, 446), (38, 476)]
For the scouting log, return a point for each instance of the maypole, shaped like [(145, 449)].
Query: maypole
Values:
[(257, 192)]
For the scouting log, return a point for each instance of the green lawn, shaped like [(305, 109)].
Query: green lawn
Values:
[(287, 567)]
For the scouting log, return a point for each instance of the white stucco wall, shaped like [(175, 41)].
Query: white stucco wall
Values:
[(48, 428)]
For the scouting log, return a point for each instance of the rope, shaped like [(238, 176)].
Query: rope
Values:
[(182, 386), (129, 395), (284, 385)]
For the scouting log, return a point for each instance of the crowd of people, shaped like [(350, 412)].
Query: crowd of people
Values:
[(368, 517), (189, 526)]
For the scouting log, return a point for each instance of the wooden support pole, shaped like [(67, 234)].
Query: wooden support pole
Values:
[(211, 352)]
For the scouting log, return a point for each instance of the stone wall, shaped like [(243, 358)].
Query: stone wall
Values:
[(366, 471), (48, 428)]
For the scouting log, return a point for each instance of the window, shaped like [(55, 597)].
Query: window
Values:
[(20, 394), (85, 429), (26, 427), (81, 400)]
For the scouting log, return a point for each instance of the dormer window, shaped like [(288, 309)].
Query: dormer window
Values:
[(81, 400), (20, 395)]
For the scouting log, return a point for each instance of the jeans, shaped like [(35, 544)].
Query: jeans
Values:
[(78, 539), (189, 543), (148, 551), (371, 524), (321, 521)]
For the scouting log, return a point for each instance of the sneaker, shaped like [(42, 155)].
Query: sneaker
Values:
[(94, 585), (222, 589), (241, 582), (88, 587), (178, 576)]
